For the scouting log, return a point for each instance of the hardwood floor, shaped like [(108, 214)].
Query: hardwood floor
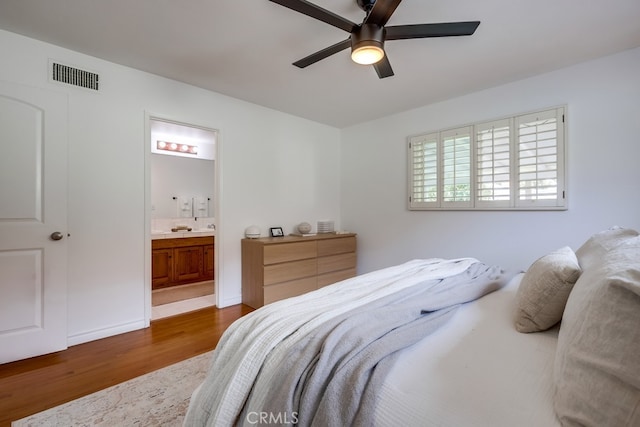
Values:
[(33, 385), (182, 292)]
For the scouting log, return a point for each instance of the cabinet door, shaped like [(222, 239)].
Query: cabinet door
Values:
[(208, 262), (188, 263), (161, 268)]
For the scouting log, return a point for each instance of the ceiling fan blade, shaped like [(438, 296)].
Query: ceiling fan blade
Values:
[(419, 31), (381, 12), (383, 67), (318, 13), (321, 54)]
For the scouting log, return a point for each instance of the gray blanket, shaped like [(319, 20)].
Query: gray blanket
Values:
[(330, 377)]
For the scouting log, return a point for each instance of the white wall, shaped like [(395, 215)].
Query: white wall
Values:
[(274, 169), (603, 174)]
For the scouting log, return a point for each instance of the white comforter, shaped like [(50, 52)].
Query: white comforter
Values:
[(474, 371)]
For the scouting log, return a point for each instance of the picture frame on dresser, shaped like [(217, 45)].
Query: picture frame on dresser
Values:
[(276, 232)]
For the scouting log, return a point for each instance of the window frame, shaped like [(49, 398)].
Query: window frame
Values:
[(514, 202)]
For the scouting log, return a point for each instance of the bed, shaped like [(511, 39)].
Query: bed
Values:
[(440, 342)]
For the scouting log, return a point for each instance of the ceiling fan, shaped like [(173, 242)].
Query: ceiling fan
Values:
[(367, 39)]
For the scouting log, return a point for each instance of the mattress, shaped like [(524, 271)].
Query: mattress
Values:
[(476, 370)]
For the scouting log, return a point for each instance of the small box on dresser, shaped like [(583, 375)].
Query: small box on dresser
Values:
[(274, 268)]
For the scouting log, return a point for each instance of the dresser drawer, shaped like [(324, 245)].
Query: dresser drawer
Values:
[(289, 289), (336, 276), (285, 252), (277, 273), (336, 246), (336, 262)]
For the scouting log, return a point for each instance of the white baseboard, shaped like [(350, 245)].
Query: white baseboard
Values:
[(104, 332), (230, 301), (184, 306)]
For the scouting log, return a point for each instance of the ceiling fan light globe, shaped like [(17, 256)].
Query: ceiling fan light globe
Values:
[(367, 55)]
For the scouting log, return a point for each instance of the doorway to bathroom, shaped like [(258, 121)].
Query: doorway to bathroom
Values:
[(181, 212)]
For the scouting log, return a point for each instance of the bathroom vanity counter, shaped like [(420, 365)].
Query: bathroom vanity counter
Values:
[(205, 232)]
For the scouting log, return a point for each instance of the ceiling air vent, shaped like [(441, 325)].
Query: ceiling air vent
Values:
[(73, 76)]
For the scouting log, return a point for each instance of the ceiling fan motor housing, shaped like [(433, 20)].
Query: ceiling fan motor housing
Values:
[(367, 35)]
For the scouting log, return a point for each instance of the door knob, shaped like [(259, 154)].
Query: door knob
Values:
[(56, 235)]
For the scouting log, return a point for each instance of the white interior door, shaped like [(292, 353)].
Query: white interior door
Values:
[(33, 207)]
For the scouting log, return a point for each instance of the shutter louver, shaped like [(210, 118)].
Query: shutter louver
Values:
[(538, 158), (493, 163), (424, 170), (456, 166)]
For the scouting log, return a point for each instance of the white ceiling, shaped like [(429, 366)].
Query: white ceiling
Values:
[(244, 48)]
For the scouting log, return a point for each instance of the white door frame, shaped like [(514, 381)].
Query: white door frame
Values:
[(218, 264)]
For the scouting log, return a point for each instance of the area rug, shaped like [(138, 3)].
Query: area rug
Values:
[(159, 398)]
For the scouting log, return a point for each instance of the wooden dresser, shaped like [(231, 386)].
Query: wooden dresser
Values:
[(274, 268)]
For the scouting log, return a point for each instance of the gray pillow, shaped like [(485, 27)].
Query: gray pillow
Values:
[(597, 365), (544, 290)]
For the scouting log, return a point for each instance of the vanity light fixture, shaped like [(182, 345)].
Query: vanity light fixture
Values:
[(176, 147)]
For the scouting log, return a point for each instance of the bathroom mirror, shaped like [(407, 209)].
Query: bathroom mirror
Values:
[(176, 180)]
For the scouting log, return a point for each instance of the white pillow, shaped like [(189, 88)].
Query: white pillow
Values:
[(544, 290)]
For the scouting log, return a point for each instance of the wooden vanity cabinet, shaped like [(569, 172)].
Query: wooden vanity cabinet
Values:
[(281, 267), (182, 260), (208, 261), (188, 264), (161, 267)]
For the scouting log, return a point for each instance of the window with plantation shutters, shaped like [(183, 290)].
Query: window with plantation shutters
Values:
[(511, 163)]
